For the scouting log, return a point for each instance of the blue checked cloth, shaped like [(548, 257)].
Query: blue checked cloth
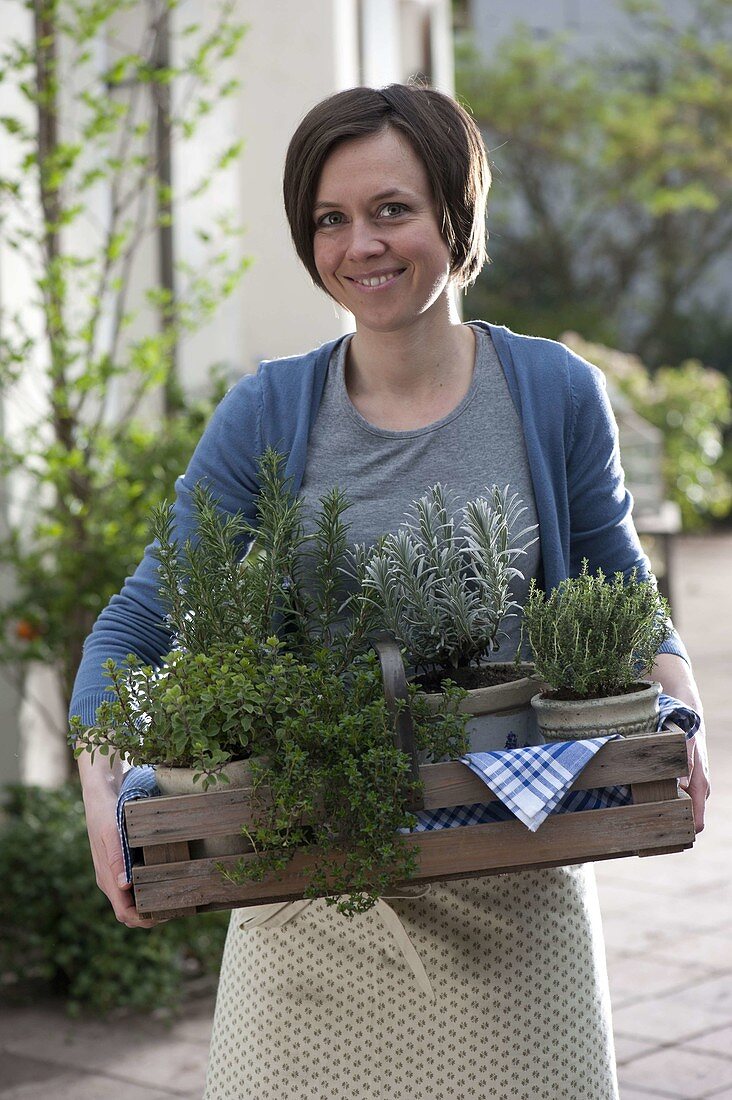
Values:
[(531, 782), (534, 782), (139, 782)]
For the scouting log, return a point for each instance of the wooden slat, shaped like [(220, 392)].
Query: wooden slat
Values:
[(654, 757), (659, 791), (167, 853), (494, 848), (188, 817), (221, 813)]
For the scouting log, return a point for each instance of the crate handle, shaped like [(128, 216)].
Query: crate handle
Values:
[(395, 689)]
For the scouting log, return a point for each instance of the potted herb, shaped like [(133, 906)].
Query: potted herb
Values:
[(338, 785), (272, 666), (592, 638), (441, 585)]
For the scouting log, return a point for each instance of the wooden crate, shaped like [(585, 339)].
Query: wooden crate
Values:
[(660, 820)]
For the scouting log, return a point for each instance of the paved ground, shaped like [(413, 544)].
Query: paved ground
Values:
[(668, 924), (668, 920)]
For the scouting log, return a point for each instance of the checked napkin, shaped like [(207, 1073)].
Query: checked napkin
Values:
[(138, 782), (534, 782)]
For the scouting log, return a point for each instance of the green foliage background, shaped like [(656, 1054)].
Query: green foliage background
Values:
[(61, 582), (57, 928), (611, 213), (691, 405)]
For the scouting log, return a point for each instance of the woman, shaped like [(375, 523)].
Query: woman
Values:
[(385, 195)]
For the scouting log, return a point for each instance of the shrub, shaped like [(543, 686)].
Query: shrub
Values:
[(56, 925), (691, 405)]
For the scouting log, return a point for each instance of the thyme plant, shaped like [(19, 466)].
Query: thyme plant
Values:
[(592, 636), (337, 784), (441, 583)]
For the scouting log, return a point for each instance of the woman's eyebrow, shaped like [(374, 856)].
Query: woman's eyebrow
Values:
[(392, 192)]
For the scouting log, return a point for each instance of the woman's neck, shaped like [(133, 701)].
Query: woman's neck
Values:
[(411, 378), (415, 362)]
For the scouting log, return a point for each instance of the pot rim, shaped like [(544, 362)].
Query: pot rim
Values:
[(524, 677), (650, 689), (237, 770)]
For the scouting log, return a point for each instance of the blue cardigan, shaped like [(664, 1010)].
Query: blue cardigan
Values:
[(572, 447)]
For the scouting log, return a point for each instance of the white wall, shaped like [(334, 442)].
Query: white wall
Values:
[(287, 63), (28, 398)]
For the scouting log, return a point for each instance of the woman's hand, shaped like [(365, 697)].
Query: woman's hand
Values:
[(677, 680), (100, 785), (697, 783)]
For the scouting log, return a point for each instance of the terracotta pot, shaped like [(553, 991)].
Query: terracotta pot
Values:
[(177, 781), (630, 715), (502, 715)]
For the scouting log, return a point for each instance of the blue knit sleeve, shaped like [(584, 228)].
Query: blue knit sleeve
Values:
[(600, 505), (225, 460)]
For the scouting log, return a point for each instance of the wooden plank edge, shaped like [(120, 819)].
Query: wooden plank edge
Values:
[(647, 827), (654, 757)]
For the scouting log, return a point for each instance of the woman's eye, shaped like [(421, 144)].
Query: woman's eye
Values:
[(392, 209), (332, 218)]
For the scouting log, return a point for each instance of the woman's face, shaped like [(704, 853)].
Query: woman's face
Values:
[(377, 244)]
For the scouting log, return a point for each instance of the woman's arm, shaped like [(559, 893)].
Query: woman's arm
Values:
[(603, 531), (100, 785), (677, 679), (133, 622)]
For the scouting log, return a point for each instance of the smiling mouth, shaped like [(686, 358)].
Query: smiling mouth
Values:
[(376, 282)]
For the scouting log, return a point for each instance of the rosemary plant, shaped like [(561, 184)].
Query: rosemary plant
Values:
[(289, 584), (441, 583), (592, 636)]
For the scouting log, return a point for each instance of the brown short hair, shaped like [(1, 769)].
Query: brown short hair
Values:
[(443, 135)]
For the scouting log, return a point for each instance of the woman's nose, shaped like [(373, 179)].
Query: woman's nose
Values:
[(365, 240)]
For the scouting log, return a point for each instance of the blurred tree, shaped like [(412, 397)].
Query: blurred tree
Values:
[(692, 406), (84, 185), (612, 207)]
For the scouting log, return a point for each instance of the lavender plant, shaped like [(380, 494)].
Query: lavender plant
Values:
[(441, 583)]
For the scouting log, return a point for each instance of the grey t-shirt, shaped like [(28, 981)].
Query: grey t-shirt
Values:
[(479, 444)]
